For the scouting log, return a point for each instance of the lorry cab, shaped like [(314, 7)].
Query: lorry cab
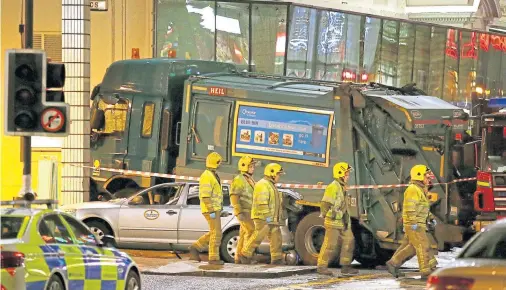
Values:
[(490, 195), (135, 118)]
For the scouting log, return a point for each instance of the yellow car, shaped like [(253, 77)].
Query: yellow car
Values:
[(480, 265), (48, 249)]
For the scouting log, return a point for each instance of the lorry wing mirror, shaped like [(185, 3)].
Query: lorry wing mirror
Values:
[(166, 129), (97, 119), (178, 129)]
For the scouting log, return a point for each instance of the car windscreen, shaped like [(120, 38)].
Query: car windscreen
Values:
[(489, 244), (11, 225)]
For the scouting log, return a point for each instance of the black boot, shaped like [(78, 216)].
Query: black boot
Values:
[(194, 254), (348, 270), (392, 269)]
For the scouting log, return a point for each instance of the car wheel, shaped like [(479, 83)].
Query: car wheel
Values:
[(99, 229), (228, 247), (133, 282), (55, 283), (309, 238)]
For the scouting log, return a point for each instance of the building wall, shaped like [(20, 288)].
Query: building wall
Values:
[(126, 25)]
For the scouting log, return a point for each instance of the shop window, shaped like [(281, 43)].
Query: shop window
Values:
[(407, 35), (353, 48), (330, 45), (268, 38), (437, 61), (451, 69), (232, 33), (372, 46), (389, 52), (148, 113), (422, 56), (467, 67), (186, 26), (301, 42)]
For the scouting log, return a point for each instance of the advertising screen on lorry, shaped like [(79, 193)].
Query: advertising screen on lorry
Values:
[(282, 133)]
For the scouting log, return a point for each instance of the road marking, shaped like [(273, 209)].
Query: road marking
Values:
[(334, 280)]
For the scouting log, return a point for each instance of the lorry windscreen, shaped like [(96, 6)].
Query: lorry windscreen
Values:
[(496, 148)]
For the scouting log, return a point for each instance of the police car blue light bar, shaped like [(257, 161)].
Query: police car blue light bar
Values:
[(497, 103)]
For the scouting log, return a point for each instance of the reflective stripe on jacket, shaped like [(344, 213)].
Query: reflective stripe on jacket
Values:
[(244, 190), (415, 208), (210, 193), (267, 201), (337, 215)]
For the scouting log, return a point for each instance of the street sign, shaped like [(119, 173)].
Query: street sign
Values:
[(52, 120), (98, 5)]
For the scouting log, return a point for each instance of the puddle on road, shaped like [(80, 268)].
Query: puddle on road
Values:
[(382, 284)]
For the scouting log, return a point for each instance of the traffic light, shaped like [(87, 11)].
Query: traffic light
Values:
[(34, 100)]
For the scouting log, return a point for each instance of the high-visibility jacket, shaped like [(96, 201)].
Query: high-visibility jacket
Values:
[(241, 193), (267, 201), (334, 207), (210, 192), (415, 208)]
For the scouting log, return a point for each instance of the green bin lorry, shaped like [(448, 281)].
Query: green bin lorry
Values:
[(166, 115)]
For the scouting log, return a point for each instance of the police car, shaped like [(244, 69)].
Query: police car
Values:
[(48, 249)]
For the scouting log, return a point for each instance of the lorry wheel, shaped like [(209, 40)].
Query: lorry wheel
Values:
[(367, 250), (228, 247), (309, 238)]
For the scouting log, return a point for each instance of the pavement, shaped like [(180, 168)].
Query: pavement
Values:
[(162, 270)]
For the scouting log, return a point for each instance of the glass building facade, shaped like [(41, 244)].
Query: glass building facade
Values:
[(323, 44)]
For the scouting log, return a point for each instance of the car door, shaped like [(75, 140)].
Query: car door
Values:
[(192, 223), (149, 218), (99, 263), (60, 254)]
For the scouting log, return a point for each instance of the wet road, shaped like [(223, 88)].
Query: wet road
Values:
[(367, 279)]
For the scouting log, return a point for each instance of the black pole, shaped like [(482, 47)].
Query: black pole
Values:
[(26, 142)]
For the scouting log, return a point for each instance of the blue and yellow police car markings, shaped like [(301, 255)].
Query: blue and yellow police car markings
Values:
[(91, 262), (122, 262)]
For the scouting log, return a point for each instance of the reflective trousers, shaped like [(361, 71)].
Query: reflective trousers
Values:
[(245, 232), (415, 242), (262, 229), (337, 240), (212, 239)]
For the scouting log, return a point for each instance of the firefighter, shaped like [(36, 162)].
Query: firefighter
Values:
[(415, 213), (267, 214), (211, 204), (337, 223), (241, 197)]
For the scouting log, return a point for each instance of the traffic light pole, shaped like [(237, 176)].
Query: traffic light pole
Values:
[(26, 141)]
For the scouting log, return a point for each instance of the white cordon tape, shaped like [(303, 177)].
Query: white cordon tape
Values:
[(281, 185)]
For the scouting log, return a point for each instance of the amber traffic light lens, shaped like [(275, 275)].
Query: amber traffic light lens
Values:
[(26, 96)]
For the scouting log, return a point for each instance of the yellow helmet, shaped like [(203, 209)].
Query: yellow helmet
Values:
[(273, 169), (418, 172), (244, 163), (213, 160), (340, 169)]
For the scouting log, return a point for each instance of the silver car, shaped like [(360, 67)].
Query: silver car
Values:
[(165, 217)]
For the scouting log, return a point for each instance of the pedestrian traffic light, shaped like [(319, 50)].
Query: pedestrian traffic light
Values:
[(34, 100)]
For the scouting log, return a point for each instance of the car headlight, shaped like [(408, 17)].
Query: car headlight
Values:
[(71, 211)]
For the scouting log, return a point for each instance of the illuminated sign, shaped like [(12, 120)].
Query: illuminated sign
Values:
[(98, 5)]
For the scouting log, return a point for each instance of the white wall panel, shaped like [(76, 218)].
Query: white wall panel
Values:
[(76, 56)]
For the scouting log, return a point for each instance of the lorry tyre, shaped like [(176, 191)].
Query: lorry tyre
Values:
[(228, 247), (367, 250), (309, 238)]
